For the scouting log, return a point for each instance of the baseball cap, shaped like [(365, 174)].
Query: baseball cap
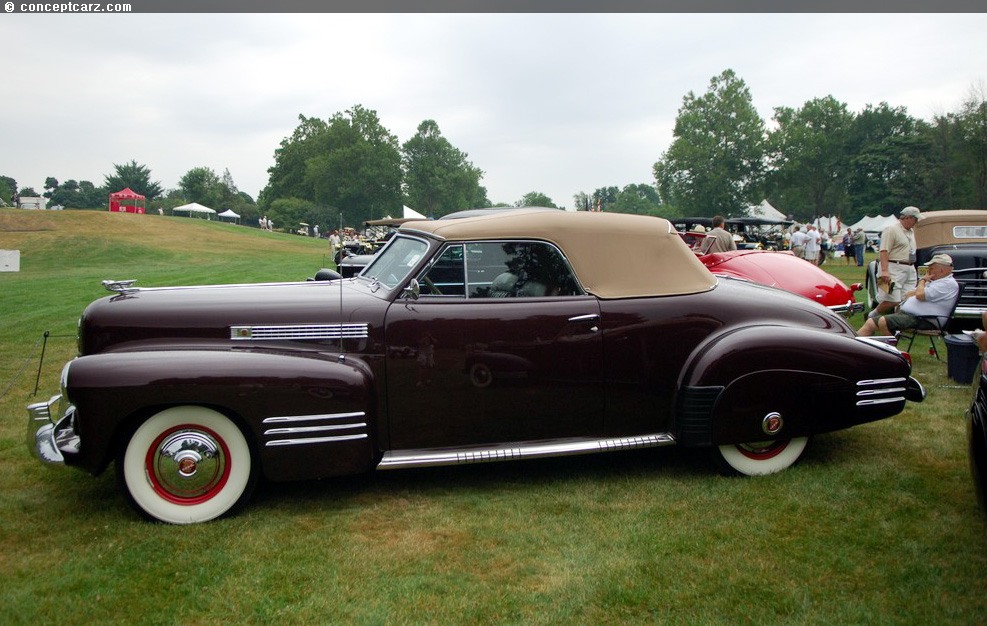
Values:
[(910, 211), (941, 259)]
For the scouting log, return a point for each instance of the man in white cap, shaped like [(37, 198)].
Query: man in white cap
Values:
[(934, 295), (896, 264)]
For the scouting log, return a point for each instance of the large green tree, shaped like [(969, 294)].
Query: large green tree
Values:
[(438, 178), (350, 166), (287, 175), (73, 194), (8, 187), (973, 128), (202, 185), (715, 162), (137, 177), (885, 153), (809, 151), (536, 198), (640, 198)]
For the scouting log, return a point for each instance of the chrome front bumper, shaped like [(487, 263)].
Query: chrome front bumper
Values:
[(41, 432)]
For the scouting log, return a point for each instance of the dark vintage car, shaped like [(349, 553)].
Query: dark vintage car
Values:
[(493, 338), (962, 234), (976, 431)]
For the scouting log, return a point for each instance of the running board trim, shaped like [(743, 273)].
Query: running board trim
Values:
[(398, 459)]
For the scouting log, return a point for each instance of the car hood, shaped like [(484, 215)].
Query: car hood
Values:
[(211, 313)]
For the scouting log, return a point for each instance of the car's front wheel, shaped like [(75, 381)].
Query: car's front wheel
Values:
[(757, 459), (186, 464)]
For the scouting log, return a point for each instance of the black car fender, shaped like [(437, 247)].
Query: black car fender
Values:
[(769, 382), (283, 401)]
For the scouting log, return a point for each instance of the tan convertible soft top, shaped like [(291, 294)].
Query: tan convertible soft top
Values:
[(615, 255), (939, 228)]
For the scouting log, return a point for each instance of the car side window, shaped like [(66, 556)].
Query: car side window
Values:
[(446, 275), (517, 270)]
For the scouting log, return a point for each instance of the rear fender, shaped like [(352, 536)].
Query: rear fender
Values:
[(771, 382), (322, 400)]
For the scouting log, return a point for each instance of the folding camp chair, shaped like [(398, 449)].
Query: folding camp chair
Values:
[(938, 330)]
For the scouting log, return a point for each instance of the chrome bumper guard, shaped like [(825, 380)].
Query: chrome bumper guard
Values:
[(848, 309), (41, 432)]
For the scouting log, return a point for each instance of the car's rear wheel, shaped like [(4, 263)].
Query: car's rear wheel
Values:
[(759, 458), (185, 465)]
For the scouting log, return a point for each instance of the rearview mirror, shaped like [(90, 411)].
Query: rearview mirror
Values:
[(413, 290)]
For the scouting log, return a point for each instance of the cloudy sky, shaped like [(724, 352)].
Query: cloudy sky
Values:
[(557, 103)]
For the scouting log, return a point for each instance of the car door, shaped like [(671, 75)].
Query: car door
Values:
[(502, 345)]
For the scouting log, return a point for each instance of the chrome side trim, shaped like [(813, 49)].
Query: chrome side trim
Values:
[(881, 391), (301, 331), (311, 429), (872, 392), (317, 424), (880, 401), (310, 440), (397, 459), (880, 381), (309, 418)]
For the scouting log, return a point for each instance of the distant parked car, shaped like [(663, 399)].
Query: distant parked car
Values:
[(492, 338), (962, 234)]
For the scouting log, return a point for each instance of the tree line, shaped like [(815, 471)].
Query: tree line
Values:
[(818, 159)]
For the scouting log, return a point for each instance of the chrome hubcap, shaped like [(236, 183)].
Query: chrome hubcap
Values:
[(187, 464)]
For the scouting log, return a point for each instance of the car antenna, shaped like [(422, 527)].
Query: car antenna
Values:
[(342, 352)]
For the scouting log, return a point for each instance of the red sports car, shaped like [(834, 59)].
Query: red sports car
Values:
[(783, 270)]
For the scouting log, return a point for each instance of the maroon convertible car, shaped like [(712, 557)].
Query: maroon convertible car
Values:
[(492, 338)]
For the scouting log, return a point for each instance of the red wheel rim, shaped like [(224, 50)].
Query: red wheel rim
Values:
[(188, 464)]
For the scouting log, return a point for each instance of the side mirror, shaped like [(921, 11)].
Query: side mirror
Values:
[(413, 290), (326, 274)]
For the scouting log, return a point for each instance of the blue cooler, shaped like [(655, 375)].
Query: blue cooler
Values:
[(962, 359)]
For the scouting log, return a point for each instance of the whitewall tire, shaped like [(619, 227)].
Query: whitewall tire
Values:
[(758, 459), (187, 464)]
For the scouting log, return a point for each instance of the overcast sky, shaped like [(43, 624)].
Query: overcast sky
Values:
[(557, 103)]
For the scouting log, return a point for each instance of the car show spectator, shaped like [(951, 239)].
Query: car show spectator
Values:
[(859, 245), (933, 295), (848, 247), (798, 242), (896, 271), (812, 244), (718, 239)]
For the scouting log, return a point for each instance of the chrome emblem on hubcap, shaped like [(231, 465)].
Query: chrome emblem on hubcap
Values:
[(772, 423)]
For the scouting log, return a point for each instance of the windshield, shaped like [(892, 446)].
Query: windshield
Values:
[(393, 264)]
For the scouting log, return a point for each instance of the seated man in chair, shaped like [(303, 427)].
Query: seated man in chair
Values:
[(934, 296)]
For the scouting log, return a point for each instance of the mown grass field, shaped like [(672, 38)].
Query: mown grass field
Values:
[(878, 525)]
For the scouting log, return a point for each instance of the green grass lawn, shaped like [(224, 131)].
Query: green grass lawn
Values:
[(878, 525)]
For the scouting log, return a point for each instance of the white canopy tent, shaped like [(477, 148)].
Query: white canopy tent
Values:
[(831, 225), (875, 224), (194, 207), (230, 215), (411, 213), (765, 211)]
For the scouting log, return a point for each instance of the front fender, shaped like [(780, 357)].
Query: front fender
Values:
[(265, 392), (738, 385)]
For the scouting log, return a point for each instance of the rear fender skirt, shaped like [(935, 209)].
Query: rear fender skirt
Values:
[(772, 382), (323, 400)]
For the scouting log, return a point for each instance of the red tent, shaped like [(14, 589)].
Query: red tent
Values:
[(126, 201)]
